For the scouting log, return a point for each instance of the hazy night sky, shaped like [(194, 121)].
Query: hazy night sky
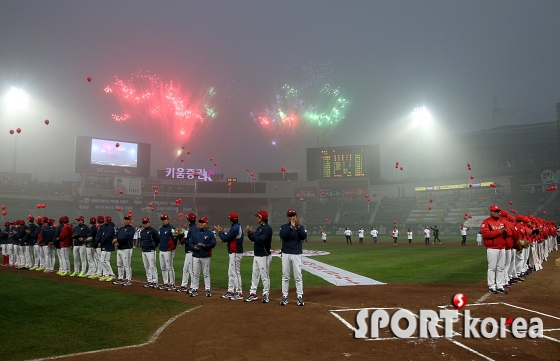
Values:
[(386, 58)]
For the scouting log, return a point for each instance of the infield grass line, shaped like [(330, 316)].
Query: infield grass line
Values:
[(152, 339), (527, 309)]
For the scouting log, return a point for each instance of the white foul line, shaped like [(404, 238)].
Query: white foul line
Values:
[(152, 339)]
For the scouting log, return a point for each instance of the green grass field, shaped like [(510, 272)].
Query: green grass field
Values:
[(57, 317)]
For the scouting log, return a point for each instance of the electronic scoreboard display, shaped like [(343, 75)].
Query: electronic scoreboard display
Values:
[(360, 161)]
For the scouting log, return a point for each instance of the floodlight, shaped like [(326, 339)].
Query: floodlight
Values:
[(16, 99), (421, 117)]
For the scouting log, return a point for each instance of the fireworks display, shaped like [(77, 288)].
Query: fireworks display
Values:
[(147, 99), (310, 102)]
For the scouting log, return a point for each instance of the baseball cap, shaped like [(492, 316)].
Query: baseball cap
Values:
[(51, 221), (64, 219), (526, 220), (100, 219), (6, 224), (262, 214), (60, 220), (31, 219), (203, 220), (494, 207), (80, 218), (191, 217), (127, 218), (92, 220), (291, 212), (503, 213), (233, 216), (108, 219), (519, 218), (164, 216), (145, 220)]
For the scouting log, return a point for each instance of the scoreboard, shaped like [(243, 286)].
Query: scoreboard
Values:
[(360, 161)]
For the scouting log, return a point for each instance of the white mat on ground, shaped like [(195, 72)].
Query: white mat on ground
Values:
[(336, 276)]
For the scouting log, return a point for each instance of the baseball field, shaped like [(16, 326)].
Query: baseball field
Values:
[(46, 316)]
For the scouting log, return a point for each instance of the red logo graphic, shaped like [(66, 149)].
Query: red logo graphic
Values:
[(459, 301)]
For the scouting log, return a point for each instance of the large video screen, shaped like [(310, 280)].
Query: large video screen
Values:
[(359, 161), (102, 156), (106, 152)]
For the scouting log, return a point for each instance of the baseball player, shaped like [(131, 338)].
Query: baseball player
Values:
[(47, 236), (101, 226), (107, 247), (409, 235), (324, 236), (90, 248), (494, 231), (234, 239), (427, 236), (124, 241), (374, 234), (65, 239), (6, 246), (262, 239), (201, 243), (292, 234), (167, 245), (80, 235), (188, 265), (149, 241)]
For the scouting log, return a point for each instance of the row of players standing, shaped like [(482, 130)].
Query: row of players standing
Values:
[(516, 246), (96, 243)]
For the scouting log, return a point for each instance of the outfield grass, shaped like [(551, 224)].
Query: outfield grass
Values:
[(48, 317)]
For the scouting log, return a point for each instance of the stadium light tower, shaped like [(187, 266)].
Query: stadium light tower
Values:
[(16, 100), (422, 118)]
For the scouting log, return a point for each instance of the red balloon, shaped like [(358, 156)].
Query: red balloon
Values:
[(401, 168), (229, 184), (88, 79), (211, 159), (118, 209), (368, 199), (130, 211), (180, 215), (43, 205), (394, 222), (397, 166), (182, 147), (397, 163), (4, 213), (182, 160), (120, 191), (156, 191), (254, 179), (3, 208), (470, 216), (465, 217), (327, 220), (510, 203), (471, 177), (155, 187), (215, 164), (431, 200), (11, 131), (468, 165), (470, 185), (429, 208), (512, 211), (196, 175), (47, 122), (18, 130), (38, 206), (466, 214), (117, 145), (150, 204), (247, 169), (543, 212), (152, 209), (189, 152), (252, 174)]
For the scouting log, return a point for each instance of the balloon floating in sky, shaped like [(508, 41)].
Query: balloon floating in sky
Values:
[(117, 145), (510, 203), (18, 130), (182, 147), (182, 160), (47, 121), (88, 79), (121, 191), (431, 200), (11, 131), (189, 152)]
